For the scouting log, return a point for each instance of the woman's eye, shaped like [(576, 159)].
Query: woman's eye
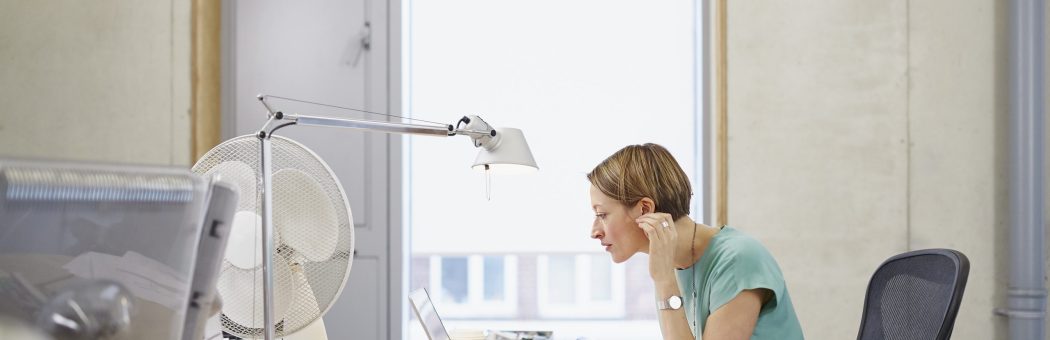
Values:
[(601, 216)]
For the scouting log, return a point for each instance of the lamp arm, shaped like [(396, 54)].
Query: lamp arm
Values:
[(372, 125), (474, 131), (390, 127)]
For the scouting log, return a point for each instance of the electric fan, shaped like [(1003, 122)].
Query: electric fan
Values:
[(313, 236)]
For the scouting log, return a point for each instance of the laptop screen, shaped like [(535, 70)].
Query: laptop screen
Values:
[(427, 315)]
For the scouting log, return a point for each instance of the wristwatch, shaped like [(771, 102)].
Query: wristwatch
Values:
[(673, 302)]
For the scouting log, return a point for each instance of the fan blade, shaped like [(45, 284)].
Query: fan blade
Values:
[(244, 177), (242, 294), (305, 215), (243, 248), (307, 297)]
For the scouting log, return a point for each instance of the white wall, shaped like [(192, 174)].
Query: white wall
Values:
[(858, 130), (95, 80)]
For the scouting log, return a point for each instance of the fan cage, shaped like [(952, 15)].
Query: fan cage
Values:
[(326, 278)]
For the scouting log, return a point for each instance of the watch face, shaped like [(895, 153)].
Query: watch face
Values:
[(675, 302)]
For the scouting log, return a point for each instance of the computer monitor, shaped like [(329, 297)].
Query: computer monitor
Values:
[(110, 251)]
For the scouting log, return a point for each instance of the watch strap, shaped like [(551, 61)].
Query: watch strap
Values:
[(665, 304)]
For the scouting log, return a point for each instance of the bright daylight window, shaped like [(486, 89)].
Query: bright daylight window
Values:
[(581, 80)]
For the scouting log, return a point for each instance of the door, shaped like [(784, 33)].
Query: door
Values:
[(313, 51)]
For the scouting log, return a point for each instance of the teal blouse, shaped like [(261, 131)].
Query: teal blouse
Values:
[(734, 262)]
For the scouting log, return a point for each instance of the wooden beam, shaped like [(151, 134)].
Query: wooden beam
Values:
[(721, 118), (205, 80)]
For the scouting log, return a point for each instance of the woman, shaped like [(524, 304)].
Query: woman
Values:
[(717, 282)]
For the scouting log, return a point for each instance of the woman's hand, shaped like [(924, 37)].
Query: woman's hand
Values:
[(663, 240)]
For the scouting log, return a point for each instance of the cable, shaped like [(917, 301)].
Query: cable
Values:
[(351, 109)]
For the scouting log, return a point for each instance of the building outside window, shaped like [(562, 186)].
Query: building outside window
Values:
[(467, 286), (580, 286)]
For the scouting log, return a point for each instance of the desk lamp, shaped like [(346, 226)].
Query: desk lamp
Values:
[(502, 149)]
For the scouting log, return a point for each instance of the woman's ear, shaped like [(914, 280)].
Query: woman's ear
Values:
[(646, 205)]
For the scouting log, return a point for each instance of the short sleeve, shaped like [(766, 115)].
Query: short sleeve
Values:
[(742, 266)]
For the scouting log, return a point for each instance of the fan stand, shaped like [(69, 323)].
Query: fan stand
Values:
[(315, 331), (482, 134)]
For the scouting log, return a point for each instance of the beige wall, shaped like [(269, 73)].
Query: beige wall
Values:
[(98, 80), (858, 130), (958, 113)]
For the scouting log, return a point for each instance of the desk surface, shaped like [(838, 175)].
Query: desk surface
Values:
[(563, 329)]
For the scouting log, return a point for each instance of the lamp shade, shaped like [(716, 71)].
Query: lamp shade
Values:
[(508, 152)]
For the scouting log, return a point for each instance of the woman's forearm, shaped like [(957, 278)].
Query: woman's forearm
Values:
[(673, 323)]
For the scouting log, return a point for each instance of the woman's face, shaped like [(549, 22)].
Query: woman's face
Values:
[(615, 227)]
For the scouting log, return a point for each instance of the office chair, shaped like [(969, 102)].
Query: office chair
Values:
[(915, 295)]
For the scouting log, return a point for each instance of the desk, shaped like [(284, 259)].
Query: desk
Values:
[(563, 329)]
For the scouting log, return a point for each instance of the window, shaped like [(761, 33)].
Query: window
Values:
[(580, 286), (468, 286), (581, 80), (454, 279)]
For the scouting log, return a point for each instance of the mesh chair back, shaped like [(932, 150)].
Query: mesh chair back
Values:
[(915, 296)]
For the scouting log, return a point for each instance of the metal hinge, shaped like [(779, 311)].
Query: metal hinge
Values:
[(364, 42)]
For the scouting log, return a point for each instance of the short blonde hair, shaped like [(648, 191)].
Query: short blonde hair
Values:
[(647, 170)]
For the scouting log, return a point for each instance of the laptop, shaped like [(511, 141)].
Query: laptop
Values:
[(435, 328), (427, 315)]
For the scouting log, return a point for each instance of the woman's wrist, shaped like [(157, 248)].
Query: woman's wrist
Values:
[(662, 271), (666, 280)]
